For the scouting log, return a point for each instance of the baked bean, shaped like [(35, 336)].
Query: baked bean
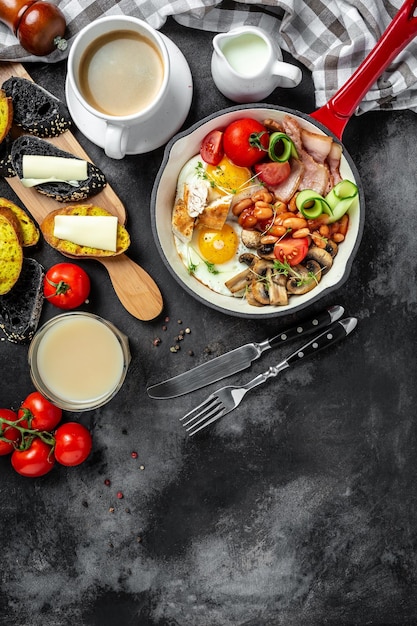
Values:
[(338, 237), (324, 230), (268, 239), (319, 221), (294, 223), (301, 232), (292, 206), (318, 240), (279, 219), (246, 219), (343, 224), (262, 212), (263, 195), (241, 206), (277, 230), (280, 207)]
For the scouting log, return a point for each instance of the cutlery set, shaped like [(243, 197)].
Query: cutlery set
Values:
[(224, 400)]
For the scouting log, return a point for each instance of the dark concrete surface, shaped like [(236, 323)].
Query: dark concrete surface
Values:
[(298, 509)]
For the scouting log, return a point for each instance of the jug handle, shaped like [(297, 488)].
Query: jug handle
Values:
[(340, 108), (289, 75)]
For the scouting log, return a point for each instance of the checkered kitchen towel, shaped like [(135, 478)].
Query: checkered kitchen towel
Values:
[(329, 37)]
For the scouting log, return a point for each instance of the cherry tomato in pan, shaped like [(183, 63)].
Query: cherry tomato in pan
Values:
[(39, 413), (211, 149), (273, 173), (290, 250), (36, 461), (73, 443), (245, 142), (66, 285), (8, 434)]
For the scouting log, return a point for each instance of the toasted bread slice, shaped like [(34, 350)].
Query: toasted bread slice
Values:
[(6, 114), (68, 247), (60, 191), (11, 256), (6, 212), (36, 111), (21, 307), (30, 232)]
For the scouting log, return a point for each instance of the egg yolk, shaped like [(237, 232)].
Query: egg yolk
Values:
[(228, 177), (218, 246)]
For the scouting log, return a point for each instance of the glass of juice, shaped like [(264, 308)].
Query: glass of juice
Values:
[(78, 360)]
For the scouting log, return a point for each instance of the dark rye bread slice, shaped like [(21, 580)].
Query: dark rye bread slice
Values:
[(62, 192), (21, 307), (35, 110), (6, 165)]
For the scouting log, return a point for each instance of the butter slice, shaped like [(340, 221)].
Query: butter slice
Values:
[(51, 167), (93, 231)]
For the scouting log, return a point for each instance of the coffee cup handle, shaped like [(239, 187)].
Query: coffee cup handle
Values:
[(289, 75), (115, 141)]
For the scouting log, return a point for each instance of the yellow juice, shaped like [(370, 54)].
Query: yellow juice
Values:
[(78, 360)]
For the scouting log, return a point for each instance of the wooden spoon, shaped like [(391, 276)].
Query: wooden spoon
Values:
[(136, 290)]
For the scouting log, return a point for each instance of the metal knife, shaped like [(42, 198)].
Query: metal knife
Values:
[(240, 358)]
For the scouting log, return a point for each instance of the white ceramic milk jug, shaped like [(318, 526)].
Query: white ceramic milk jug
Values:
[(247, 65)]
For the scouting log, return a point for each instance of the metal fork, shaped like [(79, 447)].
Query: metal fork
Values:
[(226, 399)]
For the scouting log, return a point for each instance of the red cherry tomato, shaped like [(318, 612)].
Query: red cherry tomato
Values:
[(66, 285), (273, 173), (36, 461), (211, 149), (73, 443), (39, 413), (8, 433), (245, 141), (290, 250)]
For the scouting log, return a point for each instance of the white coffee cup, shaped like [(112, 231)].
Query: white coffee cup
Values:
[(118, 70)]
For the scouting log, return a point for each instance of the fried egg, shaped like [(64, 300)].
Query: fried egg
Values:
[(212, 255)]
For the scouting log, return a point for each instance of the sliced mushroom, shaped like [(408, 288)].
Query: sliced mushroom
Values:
[(240, 281), (247, 258), (251, 238), (266, 251), (250, 299), (332, 248), (322, 256), (260, 286), (302, 280), (278, 295)]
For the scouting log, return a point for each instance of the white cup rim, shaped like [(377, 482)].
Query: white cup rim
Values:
[(118, 19)]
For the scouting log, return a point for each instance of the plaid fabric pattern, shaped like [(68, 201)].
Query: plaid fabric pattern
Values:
[(329, 37)]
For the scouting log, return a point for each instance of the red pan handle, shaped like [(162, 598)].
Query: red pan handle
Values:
[(340, 108)]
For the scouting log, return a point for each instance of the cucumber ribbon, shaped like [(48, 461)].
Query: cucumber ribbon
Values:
[(335, 204), (288, 148)]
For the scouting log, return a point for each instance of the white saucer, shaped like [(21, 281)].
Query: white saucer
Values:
[(168, 118)]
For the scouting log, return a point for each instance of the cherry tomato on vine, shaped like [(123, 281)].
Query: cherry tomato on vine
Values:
[(36, 461), (273, 173), (7, 432), (73, 443), (66, 285), (211, 149), (290, 250), (39, 413), (245, 141)]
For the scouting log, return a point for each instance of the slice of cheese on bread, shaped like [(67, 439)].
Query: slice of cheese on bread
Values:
[(83, 229)]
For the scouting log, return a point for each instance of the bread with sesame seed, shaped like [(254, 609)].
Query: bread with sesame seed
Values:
[(60, 191), (21, 307), (35, 110)]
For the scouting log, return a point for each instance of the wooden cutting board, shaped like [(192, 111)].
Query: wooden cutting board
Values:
[(136, 290)]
